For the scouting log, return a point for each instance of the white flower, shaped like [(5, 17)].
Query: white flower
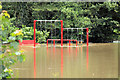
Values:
[(12, 38), (17, 53), (17, 31), (5, 70), (10, 61)]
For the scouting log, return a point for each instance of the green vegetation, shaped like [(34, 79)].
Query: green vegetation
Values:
[(9, 54), (101, 17), (28, 34)]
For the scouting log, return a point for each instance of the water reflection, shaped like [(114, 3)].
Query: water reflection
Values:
[(87, 57), (34, 62), (54, 50), (69, 50), (76, 50), (47, 50), (62, 62), (81, 50)]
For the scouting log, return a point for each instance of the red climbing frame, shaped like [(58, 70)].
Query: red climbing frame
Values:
[(87, 40), (61, 32), (87, 31), (34, 32), (48, 20)]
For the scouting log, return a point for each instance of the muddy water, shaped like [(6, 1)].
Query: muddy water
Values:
[(95, 61)]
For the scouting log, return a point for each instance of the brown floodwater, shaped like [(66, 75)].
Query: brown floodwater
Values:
[(95, 61)]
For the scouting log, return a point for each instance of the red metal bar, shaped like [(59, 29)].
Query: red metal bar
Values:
[(87, 35), (62, 40), (34, 32), (47, 42), (54, 42), (61, 32), (69, 42), (76, 43), (53, 39)]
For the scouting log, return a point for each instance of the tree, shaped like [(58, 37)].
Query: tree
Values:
[(101, 17), (10, 54)]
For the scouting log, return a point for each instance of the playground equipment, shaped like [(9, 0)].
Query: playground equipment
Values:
[(60, 40), (77, 35), (87, 38)]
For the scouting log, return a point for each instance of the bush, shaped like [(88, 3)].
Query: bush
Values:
[(9, 54), (28, 33)]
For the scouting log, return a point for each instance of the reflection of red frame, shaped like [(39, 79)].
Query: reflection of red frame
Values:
[(60, 40)]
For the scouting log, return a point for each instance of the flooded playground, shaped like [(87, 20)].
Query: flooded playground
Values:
[(95, 61)]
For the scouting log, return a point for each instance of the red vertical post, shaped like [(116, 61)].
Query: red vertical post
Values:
[(69, 42), (87, 35), (61, 32), (47, 43), (53, 42), (76, 43), (34, 32)]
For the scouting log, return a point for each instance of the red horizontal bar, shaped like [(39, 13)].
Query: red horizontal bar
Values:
[(53, 39), (60, 39), (27, 42)]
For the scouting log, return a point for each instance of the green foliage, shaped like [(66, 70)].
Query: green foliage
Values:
[(101, 18), (117, 31), (29, 33), (9, 56), (41, 36)]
